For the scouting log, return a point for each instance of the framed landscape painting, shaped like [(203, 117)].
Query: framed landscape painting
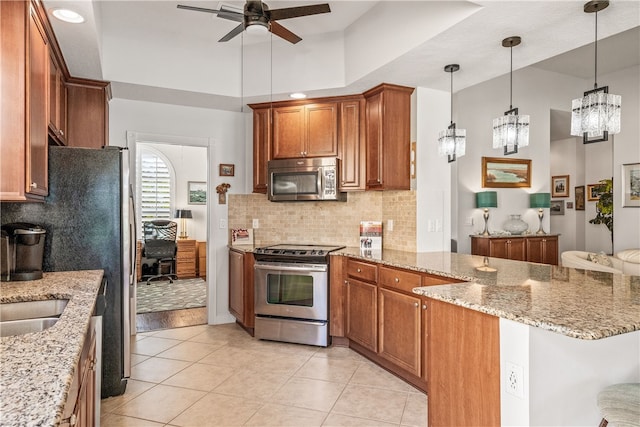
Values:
[(631, 185), (557, 207), (579, 197), (498, 172), (197, 193)]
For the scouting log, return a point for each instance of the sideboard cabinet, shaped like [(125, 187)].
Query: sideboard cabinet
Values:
[(532, 248)]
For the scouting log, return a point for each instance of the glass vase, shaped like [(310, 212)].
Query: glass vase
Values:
[(515, 225)]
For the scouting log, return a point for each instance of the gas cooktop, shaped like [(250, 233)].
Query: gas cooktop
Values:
[(296, 253)]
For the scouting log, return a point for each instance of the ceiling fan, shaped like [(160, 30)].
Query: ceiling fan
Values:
[(257, 15)]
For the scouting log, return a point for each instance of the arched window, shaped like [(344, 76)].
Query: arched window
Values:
[(155, 184)]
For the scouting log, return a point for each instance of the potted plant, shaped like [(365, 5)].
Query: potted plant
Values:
[(604, 207)]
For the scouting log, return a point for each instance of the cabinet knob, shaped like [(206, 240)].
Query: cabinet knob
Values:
[(359, 271), (61, 132), (424, 306), (346, 282), (397, 280), (416, 304), (34, 185)]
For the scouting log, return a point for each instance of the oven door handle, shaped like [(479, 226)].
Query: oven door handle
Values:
[(288, 267)]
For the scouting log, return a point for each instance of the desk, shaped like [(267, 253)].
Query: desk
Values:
[(186, 258)]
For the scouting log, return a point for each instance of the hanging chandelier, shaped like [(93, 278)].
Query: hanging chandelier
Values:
[(597, 113), (511, 130), (452, 141)]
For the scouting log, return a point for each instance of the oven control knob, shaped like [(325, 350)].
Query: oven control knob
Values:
[(320, 252)]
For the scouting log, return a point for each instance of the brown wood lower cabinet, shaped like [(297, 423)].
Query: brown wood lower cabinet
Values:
[(241, 288), (186, 258), (531, 248), (362, 314), (80, 409), (464, 366)]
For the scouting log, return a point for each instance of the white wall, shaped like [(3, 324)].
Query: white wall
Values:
[(564, 162), (223, 133)]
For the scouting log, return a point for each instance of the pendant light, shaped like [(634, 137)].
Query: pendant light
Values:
[(511, 130), (452, 141), (597, 113)]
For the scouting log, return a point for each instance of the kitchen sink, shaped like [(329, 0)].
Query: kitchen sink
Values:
[(32, 309), (17, 318), (24, 326)]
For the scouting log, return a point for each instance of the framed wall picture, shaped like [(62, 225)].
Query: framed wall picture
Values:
[(593, 192), (226, 169), (578, 193), (197, 193), (631, 185), (557, 207), (560, 186), (498, 172)]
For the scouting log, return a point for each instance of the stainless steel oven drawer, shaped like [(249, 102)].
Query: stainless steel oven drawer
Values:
[(294, 331)]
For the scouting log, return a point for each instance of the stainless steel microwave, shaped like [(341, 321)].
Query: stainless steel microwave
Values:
[(304, 179)]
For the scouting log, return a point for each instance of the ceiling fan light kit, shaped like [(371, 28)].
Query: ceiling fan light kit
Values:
[(511, 130), (452, 141), (258, 18), (597, 113)]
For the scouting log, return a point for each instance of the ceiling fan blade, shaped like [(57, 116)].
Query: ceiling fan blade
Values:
[(281, 31), (234, 16), (294, 12), (231, 34)]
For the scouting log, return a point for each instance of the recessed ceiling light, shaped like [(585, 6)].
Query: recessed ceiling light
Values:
[(68, 15), (298, 95)]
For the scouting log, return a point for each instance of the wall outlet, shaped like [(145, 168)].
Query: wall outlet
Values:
[(389, 225), (256, 223), (223, 223), (514, 380), (469, 221)]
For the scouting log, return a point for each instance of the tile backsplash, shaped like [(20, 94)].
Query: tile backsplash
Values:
[(327, 222)]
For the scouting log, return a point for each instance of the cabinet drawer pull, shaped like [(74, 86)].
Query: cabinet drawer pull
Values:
[(34, 185), (416, 304), (359, 271), (424, 306), (397, 280)]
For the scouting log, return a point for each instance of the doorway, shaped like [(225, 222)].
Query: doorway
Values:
[(171, 179)]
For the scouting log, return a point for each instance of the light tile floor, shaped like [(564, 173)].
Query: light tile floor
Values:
[(220, 376)]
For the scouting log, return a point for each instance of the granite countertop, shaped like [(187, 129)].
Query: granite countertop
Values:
[(36, 369), (577, 303)]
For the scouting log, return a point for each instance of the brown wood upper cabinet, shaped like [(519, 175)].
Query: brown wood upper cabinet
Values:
[(388, 134), (57, 102), (88, 113), (308, 130), (351, 144), (24, 103), (261, 147)]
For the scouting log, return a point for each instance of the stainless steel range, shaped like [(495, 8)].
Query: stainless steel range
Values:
[(292, 293)]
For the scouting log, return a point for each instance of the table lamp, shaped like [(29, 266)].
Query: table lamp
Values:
[(540, 201), (183, 215), (486, 200)]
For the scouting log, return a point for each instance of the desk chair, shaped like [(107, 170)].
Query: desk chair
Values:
[(160, 245)]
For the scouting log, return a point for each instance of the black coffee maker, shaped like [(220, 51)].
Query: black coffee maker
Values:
[(22, 251)]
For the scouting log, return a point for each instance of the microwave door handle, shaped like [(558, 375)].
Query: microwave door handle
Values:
[(321, 180)]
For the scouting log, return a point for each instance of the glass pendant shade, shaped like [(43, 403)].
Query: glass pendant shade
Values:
[(511, 131), (452, 142), (597, 113)]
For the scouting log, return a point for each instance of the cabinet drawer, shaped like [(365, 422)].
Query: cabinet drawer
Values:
[(362, 270), (399, 279)]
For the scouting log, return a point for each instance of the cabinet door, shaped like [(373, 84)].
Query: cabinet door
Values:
[(321, 128), (499, 248), (236, 284), (362, 313), (57, 102), (400, 331), (288, 132), (480, 246), (87, 116), (374, 147), (337, 283), (261, 148), (517, 249), (38, 107), (352, 145), (543, 250)]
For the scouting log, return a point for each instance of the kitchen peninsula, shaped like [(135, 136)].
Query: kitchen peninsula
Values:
[(519, 343), (39, 372)]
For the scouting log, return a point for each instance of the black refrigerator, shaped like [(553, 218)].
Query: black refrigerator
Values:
[(89, 219)]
